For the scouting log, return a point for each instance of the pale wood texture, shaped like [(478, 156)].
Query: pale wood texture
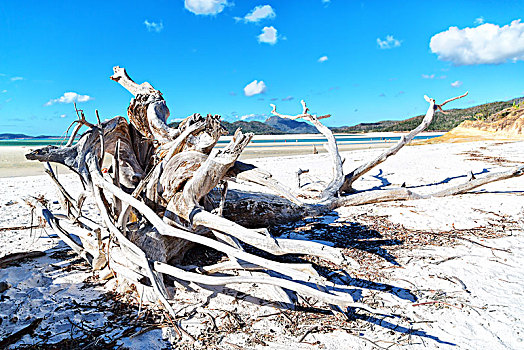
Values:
[(169, 192)]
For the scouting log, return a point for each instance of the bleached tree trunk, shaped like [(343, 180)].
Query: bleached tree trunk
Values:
[(156, 205)]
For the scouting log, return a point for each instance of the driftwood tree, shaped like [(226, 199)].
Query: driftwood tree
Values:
[(168, 190)]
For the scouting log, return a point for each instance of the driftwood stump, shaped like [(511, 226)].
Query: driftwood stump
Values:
[(167, 191)]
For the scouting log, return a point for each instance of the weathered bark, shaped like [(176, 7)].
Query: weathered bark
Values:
[(74, 157), (333, 187), (169, 192)]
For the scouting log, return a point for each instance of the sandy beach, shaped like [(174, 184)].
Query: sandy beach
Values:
[(447, 270)]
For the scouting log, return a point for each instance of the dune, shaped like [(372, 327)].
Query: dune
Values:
[(506, 125)]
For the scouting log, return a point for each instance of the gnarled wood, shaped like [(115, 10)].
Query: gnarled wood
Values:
[(184, 200), (333, 187), (405, 139)]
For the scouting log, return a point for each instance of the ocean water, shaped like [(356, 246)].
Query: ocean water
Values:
[(33, 142), (350, 138)]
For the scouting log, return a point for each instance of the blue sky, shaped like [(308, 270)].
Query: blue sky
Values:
[(360, 61)]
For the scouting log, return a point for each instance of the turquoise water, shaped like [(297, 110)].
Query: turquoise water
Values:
[(33, 142), (267, 142), (340, 138)]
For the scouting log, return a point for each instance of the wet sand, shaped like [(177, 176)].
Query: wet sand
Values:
[(14, 164)]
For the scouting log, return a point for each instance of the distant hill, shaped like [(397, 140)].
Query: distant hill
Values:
[(441, 121), (23, 136), (289, 126), (364, 127), (258, 128)]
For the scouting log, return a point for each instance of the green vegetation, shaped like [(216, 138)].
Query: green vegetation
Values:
[(258, 128), (441, 121)]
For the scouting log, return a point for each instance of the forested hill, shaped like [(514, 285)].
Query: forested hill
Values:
[(441, 121), (258, 128)]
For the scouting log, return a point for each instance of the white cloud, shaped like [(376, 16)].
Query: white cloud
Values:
[(69, 97), (17, 78), (433, 76), (389, 43), (485, 44), (63, 115), (205, 7), (255, 88), (456, 84), (4, 91), (326, 1), (252, 116), (154, 26), (323, 59), (269, 35), (479, 20), (259, 13)]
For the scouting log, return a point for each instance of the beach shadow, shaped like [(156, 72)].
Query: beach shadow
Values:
[(384, 182), (482, 191), (398, 328), (65, 313), (352, 313), (448, 179), (350, 235)]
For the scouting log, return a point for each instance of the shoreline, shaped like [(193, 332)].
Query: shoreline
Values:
[(14, 164)]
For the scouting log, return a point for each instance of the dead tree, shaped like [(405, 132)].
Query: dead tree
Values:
[(168, 191)]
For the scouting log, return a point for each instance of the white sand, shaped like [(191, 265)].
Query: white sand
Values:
[(484, 286)]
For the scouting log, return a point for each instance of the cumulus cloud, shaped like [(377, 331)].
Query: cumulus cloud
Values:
[(63, 115), (154, 26), (456, 84), (69, 97), (254, 88), (269, 35), (205, 7), (4, 91), (389, 43), (485, 44), (323, 59), (259, 13), (17, 78)]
